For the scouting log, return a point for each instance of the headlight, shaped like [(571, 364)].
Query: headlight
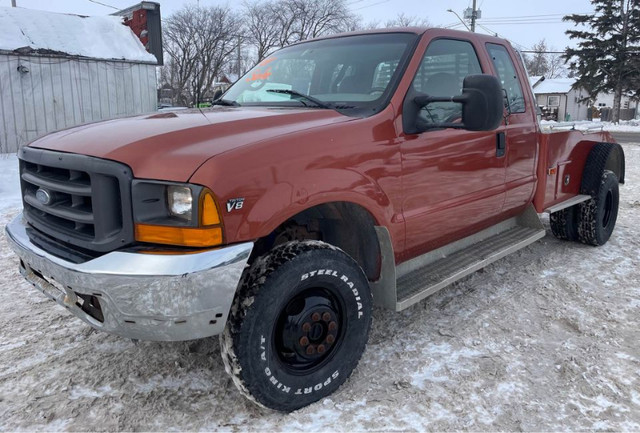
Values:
[(180, 201), (175, 214)]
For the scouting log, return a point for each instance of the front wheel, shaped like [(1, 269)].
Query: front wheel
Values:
[(298, 325)]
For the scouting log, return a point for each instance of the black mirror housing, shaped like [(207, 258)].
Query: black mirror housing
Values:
[(482, 106)]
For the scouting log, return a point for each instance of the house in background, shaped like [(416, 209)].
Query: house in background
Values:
[(60, 70), (629, 107), (535, 79), (558, 100)]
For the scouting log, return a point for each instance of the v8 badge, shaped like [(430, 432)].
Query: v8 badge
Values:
[(235, 204)]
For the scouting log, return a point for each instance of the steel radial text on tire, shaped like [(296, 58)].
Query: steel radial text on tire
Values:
[(298, 325)]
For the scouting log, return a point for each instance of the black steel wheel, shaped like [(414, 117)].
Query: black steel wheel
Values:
[(298, 325), (309, 330)]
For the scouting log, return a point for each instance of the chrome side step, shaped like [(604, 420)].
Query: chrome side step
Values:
[(567, 203), (424, 275)]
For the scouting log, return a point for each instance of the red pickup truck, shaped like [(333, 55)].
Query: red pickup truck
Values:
[(362, 169)]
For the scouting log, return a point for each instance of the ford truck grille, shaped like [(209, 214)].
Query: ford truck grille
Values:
[(76, 199)]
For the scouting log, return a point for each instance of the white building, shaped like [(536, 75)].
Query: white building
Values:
[(556, 97), (59, 70), (606, 100)]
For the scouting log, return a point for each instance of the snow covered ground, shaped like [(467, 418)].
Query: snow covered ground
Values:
[(545, 339), (9, 183), (623, 126)]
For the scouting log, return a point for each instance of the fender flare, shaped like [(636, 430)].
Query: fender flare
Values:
[(291, 199), (603, 156)]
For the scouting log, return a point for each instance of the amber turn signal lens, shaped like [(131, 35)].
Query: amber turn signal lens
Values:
[(184, 236), (208, 211)]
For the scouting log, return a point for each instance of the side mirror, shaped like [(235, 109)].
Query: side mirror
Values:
[(482, 106), (217, 94), (483, 103)]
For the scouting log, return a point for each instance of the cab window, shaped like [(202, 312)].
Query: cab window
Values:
[(442, 71), (508, 76)]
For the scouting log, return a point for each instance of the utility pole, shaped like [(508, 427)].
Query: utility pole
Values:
[(474, 16), (471, 14), (13, 3)]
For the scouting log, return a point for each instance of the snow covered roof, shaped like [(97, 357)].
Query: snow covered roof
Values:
[(534, 79), (554, 85), (99, 37)]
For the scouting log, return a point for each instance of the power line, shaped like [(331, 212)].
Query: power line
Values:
[(529, 16), (522, 47), (522, 20), (104, 4), (491, 23), (372, 4), (542, 52)]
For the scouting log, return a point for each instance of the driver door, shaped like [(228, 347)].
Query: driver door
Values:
[(453, 179)]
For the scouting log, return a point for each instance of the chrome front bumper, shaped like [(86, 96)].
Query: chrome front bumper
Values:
[(141, 296)]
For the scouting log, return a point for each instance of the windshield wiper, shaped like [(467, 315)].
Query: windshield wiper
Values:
[(318, 102), (225, 102)]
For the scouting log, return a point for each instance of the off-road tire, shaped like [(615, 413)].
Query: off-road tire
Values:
[(598, 215), (252, 342), (564, 223)]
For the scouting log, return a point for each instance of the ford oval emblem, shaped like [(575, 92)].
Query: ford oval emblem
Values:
[(43, 196)]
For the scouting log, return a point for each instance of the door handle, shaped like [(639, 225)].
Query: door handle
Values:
[(501, 144)]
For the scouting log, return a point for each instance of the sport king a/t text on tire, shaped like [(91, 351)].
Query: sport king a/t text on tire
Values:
[(298, 325)]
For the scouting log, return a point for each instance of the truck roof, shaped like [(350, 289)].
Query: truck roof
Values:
[(415, 30)]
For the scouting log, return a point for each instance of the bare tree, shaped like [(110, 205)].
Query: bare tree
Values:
[(402, 20), (313, 18), (199, 41), (557, 67), (267, 27), (544, 62), (537, 63), (277, 23), (179, 34)]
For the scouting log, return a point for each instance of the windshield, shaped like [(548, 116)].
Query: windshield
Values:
[(347, 73)]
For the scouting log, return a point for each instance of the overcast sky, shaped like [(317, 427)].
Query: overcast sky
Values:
[(522, 22)]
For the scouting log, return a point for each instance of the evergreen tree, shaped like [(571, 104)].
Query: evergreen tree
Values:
[(607, 56)]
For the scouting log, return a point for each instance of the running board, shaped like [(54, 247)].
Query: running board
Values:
[(422, 276), (567, 203)]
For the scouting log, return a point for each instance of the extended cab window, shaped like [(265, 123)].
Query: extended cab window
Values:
[(442, 71), (508, 76)]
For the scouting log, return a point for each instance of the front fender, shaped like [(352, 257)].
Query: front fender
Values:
[(284, 200), (356, 161), (273, 194)]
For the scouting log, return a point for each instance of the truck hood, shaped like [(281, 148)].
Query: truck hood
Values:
[(172, 145)]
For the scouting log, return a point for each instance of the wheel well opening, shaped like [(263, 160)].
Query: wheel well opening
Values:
[(347, 226)]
